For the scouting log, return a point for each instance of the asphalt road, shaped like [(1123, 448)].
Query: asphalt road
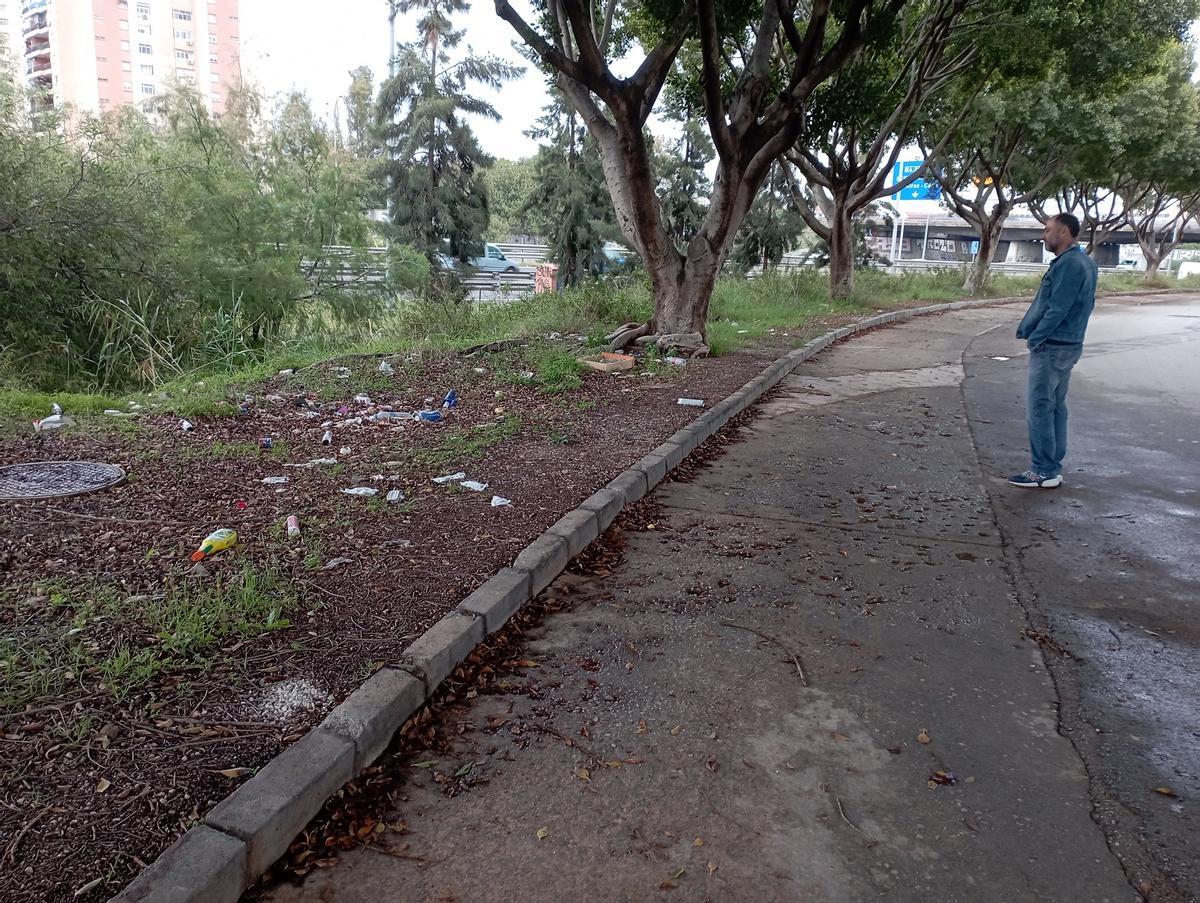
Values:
[(994, 680)]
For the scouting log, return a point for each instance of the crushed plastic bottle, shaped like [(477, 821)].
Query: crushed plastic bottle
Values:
[(386, 368), (451, 478), (186, 426), (53, 422), (293, 526), (382, 416), (451, 399), (216, 541), (274, 481), (691, 402), (327, 438), (361, 490), (395, 496), (55, 408), (474, 485), (428, 416), (500, 502)]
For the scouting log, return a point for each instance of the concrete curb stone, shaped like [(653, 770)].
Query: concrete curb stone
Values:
[(438, 651), (654, 466), (577, 528), (671, 452), (370, 716), (544, 559), (631, 484), (202, 866), (270, 809), (498, 599), (607, 504)]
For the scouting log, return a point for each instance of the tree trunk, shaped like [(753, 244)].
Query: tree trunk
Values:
[(989, 238), (1153, 260), (841, 252)]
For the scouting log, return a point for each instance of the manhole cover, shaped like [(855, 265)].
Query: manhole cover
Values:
[(53, 479)]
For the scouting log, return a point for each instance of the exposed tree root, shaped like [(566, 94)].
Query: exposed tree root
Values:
[(688, 343)]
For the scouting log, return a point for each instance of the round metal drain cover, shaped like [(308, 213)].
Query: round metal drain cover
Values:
[(54, 479)]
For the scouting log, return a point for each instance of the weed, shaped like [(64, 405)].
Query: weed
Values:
[(467, 445), (103, 640)]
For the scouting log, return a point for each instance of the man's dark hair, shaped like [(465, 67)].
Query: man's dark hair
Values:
[(1071, 221)]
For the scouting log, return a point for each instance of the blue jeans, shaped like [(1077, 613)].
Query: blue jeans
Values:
[(1049, 375)]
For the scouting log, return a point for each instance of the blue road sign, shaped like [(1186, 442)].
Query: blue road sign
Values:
[(919, 190)]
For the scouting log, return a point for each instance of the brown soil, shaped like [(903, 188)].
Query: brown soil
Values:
[(94, 786)]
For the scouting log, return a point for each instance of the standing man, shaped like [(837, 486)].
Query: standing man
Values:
[(1053, 327)]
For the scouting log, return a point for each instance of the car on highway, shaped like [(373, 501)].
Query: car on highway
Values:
[(492, 261)]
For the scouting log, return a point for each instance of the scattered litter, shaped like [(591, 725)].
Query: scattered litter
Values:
[(498, 502), (527, 375), (451, 399), (274, 399), (216, 541), (360, 490), (607, 361), (428, 416), (451, 478), (336, 563), (942, 778), (1000, 357), (55, 408), (186, 425), (113, 413), (344, 450), (474, 485), (315, 462), (293, 526), (362, 399), (288, 372), (239, 504), (498, 410), (386, 368), (266, 443), (274, 481), (392, 415), (923, 736), (199, 571), (742, 331), (480, 370), (327, 438), (691, 402), (244, 408), (677, 361), (395, 496)]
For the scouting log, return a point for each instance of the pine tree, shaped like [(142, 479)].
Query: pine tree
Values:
[(570, 198), (438, 194), (683, 185), (771, 226)]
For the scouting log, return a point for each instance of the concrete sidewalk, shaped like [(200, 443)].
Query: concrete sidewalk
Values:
[(849, 530)]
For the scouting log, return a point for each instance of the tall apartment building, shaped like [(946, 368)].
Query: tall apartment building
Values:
[(98, 55), (10, 35)]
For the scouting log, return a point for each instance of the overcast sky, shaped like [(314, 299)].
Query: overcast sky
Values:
[(311, 46)]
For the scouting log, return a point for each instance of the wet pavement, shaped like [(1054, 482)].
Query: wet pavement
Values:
[(826, 668), (1111, 566)]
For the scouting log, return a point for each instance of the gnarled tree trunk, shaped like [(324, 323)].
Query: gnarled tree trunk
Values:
[(989, 240)]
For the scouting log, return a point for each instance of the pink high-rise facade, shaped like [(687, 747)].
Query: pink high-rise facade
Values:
[(98, 55)]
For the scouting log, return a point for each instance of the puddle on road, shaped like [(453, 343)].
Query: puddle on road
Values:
[(810, 391)]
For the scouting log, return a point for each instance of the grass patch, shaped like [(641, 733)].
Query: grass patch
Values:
[(467, 445), (102, 640)]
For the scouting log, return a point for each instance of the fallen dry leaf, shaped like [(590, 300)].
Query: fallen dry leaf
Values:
[(698, 842), (232, 772), (923, 736), (583, 774), (103, 784), (668, 885), (543, 833), (1165, 791), (675, 731), (642, 726), (613, 763), (712, 867), (839, 737)]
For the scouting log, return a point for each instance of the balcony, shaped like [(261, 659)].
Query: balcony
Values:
[(41, 64), (31, 6), (37, 46), (35, 24)]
